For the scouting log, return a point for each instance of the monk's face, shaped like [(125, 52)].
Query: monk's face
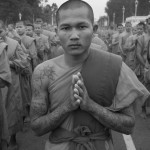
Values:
[(120, 29), (29, 31), (38, 28), (128, 27), (134, 30), (10, 27), (20, 28), (2, 33), (75, 30), (140, 29)]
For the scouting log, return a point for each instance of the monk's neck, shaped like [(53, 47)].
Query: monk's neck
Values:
[(72, 61), (22, 35)]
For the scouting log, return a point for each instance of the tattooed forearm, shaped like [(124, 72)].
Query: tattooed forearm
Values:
[(43, 123), (119, 121)]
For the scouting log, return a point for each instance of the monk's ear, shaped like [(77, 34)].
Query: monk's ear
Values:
[(95, 27)]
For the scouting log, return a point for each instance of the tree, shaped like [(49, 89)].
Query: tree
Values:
[(10, 10), (115, 6)]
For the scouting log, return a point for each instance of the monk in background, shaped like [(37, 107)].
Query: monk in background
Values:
[(12, 95), (115, 39), (5, 80), (123, 37)]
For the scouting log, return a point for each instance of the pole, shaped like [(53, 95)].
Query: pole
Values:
[(123, 11), (20, 15), (114, 18), (52, 19), (136, 5)]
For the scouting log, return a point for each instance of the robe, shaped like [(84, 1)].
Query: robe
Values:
[(122, 41), (25, 79), (5, 75), (12, 94), (42, 46), (131, 54), (115, 47), (128, 90), (98, 41)]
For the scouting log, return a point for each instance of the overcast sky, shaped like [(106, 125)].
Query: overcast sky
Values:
[(97, 5)]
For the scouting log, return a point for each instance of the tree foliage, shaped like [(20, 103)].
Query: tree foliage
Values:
[(29, 9), (115, 6)]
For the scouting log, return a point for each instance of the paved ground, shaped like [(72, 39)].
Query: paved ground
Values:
[(141, 138)]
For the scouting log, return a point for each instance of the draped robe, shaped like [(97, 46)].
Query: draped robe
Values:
[(12, 94), (5, 75)]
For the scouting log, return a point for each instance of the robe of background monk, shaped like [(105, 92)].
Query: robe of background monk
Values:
[(42, 46), (98, 41), (29, 44), (5, 76), (142, 45), (25, 79), (50, 36), (12, 94), (115, 48), (122, 41)]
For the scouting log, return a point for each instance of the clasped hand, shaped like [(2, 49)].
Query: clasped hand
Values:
[(80, 97)]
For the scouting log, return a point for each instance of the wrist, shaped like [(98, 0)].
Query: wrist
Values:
[(89, 105)]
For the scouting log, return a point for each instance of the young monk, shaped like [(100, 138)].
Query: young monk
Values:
[(25, 80), (123, 37), (130, 48), (142, 64), (115, 40), (5, 80), (80, 96), (12, 94), (42, 43), (96, 40)]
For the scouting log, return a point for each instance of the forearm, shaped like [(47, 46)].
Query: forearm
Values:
[(50, 121), (113, 120)]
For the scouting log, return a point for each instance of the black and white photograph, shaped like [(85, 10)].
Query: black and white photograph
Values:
[(74, 74)]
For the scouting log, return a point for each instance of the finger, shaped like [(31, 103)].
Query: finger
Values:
[(77, 97), (80, 90), (80, 84), (80, 76), (76, 91), (78, 101), (75, 78)]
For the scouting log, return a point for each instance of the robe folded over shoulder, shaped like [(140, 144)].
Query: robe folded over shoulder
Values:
[(12, 94), (5, 75), (82, 130)]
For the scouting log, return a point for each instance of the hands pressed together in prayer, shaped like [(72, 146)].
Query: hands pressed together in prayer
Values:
[(79, 95)]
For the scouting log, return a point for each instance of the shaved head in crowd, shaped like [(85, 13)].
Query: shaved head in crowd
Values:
[(74, 4)]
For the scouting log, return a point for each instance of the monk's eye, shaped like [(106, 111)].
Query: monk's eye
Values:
[(82, 27), (65, 28)]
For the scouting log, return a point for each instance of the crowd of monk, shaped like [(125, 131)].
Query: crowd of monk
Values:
[(25, 45)]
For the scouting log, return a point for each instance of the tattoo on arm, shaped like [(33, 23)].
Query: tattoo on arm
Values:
[(43, 121), (122, 121)]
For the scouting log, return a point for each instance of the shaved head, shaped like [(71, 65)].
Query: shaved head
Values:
[(75, 4)]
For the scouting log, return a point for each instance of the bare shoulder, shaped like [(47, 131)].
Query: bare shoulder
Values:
[(46, 71), (43, 73)]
